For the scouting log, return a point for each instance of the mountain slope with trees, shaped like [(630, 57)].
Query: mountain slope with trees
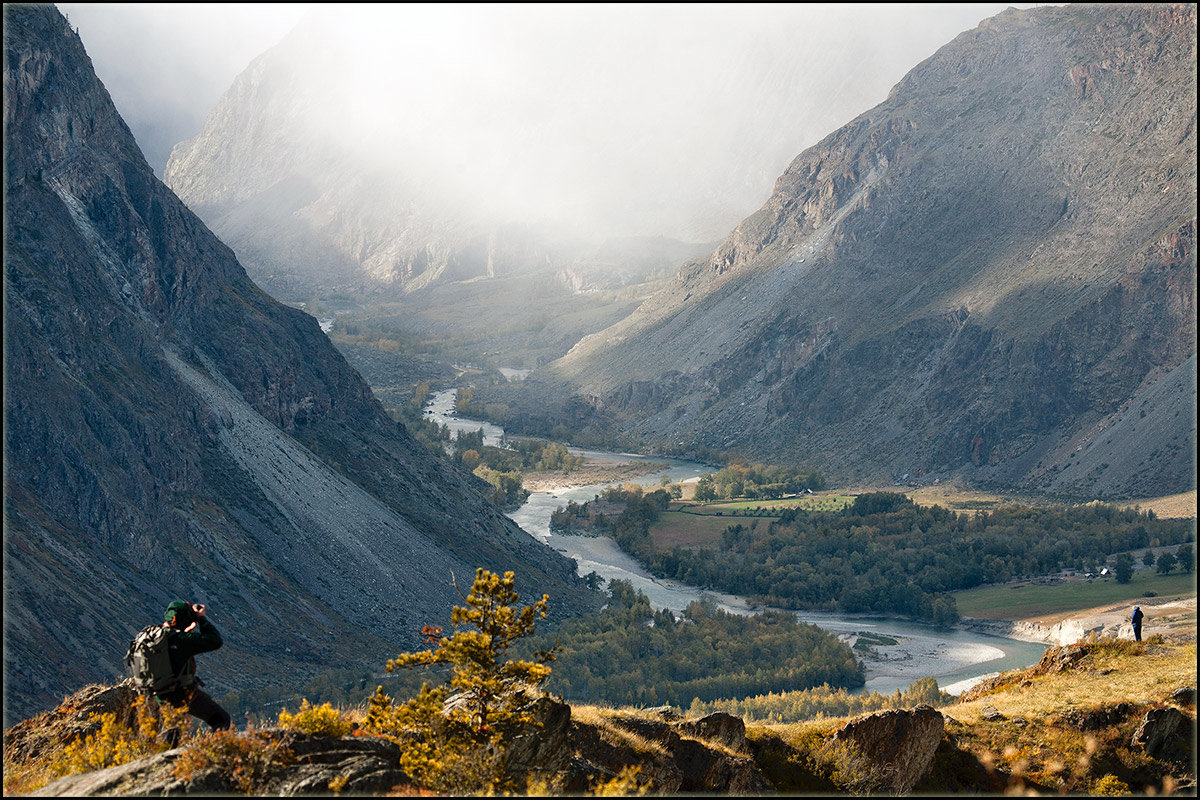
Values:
[(172, 432)]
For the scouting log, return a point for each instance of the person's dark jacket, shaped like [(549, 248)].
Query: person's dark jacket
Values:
[(1137, 616), (182, 647)]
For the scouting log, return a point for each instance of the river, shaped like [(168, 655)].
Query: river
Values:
[(957, 658)]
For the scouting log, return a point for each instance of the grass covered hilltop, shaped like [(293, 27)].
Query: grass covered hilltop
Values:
[(1101, 716)]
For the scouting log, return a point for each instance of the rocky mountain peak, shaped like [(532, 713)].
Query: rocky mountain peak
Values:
[(962, 281)]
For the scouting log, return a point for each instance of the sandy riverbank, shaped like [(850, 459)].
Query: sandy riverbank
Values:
[(591, 471)]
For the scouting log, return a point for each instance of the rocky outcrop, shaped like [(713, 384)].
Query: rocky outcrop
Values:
[(1067, 632), (172, 432), (973, 279), (1158, 729), (889, 751), (74, 719)]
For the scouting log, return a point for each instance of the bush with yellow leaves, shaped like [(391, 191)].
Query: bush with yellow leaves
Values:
[(157, 728), (322, 720)]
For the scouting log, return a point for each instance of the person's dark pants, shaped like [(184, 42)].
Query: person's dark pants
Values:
[(199, 704), (1137, 632)]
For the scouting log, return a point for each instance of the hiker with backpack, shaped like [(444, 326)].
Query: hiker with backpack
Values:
[(162, 661)]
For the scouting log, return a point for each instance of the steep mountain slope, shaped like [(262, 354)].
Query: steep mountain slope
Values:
[(990, 274), (170, 431)]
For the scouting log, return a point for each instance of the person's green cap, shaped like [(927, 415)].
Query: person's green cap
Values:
[(180, 608)]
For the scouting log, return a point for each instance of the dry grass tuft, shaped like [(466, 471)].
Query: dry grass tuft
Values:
[(602, 720)]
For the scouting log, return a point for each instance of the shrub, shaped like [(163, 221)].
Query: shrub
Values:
[(248, 759), (1110, 785), (112, 744), (322, 720)]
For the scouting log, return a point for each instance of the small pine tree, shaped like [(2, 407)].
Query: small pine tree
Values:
[(443, 730), (1123, 567), (491, 689)]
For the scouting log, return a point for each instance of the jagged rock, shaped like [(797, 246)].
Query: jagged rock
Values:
[(545, 747), (719, 727), (1060, 659), (892, 750), (707, 770), (991, 714), (649, 729), (1184, 696), (368, 765), (596, 759), (74, 718), (1157, 728), (150, 775)]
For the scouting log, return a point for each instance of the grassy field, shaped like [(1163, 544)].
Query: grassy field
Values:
[(1028, 601), (677, 529), (1175, 506), (822, 501), (701, 525)]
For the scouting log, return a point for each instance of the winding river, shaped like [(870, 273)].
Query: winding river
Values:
[(957, 658)]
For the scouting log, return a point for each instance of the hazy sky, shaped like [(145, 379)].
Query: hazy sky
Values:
[(672, 89)]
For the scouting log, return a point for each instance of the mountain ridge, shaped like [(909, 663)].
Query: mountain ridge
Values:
[(170, 430), (961, 282)]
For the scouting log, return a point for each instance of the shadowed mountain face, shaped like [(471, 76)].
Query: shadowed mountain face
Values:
[(991, 275), (172, 432)]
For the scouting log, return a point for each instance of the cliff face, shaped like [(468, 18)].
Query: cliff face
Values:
[(172, 432), (991, 274)]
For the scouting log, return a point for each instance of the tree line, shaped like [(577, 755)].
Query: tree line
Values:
[(886, 554), (822, 701), (757, 482), (630, 654)]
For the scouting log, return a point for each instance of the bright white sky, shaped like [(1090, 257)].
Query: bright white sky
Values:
[(687, 110)]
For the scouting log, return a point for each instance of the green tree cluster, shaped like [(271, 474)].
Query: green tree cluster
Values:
[(885, 554), (757, 482), (630, 654)]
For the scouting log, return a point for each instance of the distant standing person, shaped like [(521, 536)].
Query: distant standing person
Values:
[(1136, 619)]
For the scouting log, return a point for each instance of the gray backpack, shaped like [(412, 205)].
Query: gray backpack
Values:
[(148, 663)]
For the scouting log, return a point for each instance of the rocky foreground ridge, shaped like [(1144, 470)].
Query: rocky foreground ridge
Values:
[(171, 432), (991, 275), (1014, 733)]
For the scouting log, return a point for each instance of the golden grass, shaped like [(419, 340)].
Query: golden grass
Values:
[(602, 720), (1172, 506), (1033, 749), (1139, 679)]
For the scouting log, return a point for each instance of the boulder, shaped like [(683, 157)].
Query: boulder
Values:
[(1184, 696), (719, 727), (890, 751), (1097, 718), (1157, 729), (545, 746), (707, 770)]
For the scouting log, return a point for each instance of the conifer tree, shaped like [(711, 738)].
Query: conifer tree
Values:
[(490, 689)]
